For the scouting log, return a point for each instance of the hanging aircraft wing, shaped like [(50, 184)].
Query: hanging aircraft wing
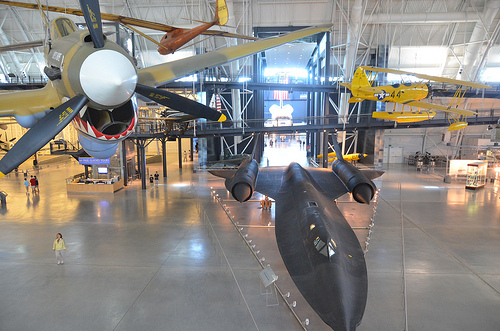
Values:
[(21, 46), (165, 72), (30, 102), (120, 19), (428, 105), (427, 77)]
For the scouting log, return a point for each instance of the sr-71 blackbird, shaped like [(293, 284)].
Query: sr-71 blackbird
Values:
[(320, 250), (93, 82)]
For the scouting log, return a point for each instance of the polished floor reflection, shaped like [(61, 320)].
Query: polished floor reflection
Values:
[(168, 258)]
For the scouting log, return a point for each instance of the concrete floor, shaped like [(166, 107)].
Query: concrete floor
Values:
[(168, 258)]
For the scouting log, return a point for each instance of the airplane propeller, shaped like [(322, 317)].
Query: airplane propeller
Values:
[(41, 133), (92, 15), (179, 103)]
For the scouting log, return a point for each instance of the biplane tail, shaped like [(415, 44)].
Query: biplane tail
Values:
[(359, 80)]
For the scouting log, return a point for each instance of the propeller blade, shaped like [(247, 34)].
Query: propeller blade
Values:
[(180, 103), (41, 133), (92, 15)]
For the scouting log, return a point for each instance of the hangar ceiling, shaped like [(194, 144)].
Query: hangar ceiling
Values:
[(452, 38)]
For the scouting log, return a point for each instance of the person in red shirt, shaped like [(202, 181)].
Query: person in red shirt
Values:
[(33, 184)]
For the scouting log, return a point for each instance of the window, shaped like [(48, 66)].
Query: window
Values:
[(64, 26)]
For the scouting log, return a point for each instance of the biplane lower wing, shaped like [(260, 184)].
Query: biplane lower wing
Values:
[(428, 105)]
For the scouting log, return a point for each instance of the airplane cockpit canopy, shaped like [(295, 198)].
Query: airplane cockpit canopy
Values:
[(61, 27)]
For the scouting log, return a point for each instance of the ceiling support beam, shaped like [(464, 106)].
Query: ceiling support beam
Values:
[(15, 61), (422, 18), (477, 38)]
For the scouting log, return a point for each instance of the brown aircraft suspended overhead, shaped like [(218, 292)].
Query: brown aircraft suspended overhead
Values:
[(170, 42)]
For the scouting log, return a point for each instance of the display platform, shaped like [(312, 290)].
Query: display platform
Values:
[(94, 186)]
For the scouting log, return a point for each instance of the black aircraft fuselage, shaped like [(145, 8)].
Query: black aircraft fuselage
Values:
[(325, 260), (319, 248)]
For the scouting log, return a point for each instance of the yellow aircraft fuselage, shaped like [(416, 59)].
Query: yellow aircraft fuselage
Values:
[(399, 93)]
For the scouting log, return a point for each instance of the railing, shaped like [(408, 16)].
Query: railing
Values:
[(484, 116)]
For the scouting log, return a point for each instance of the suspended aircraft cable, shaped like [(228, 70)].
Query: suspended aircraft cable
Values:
[(145, 36), (405, 298)]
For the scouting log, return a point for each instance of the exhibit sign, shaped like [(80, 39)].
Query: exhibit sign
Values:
[(93, 161)]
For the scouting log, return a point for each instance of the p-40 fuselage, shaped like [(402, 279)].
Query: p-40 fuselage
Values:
[(107, 76)]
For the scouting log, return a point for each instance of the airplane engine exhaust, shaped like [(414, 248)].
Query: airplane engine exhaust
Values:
[(242, 184), (362, 188)]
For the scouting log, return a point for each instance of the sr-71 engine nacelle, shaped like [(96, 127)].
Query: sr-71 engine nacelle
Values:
[(242, 184), (362, 188)]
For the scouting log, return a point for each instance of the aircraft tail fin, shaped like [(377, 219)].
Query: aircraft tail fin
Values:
[(348, 85), (360, 79), (221, 13)]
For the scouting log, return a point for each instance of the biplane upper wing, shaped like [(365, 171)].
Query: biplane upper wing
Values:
[(165, 72), (120, 19), (427, 77), (428, 105)]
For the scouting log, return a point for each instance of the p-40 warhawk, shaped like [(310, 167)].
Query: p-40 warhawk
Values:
[(320, 250), (409, 94), (93, 82)]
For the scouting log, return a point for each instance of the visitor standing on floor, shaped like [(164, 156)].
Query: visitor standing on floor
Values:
[(58, 247), (27, 185), (157, 178), (185, 156)]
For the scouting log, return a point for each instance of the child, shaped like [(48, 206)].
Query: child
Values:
[(58, 248), (27, 185)]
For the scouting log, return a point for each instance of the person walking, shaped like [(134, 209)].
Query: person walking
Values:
[(185, 156), (58, 247), (27, 185), (36, 185), (33, 184)]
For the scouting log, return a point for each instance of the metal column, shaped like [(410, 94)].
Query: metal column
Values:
[(179, 149), (164, 155)]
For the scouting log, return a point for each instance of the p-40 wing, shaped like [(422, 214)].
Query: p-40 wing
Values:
[(165, 72)]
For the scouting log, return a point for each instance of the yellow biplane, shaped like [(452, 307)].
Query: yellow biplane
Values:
[(348, 157), (409, 94)]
